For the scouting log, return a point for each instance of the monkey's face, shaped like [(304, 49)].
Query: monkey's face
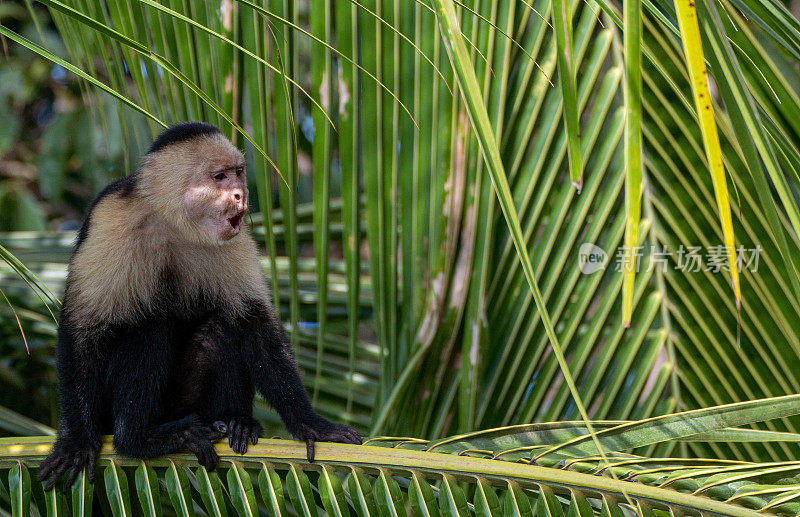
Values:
[(199, 188), (216, 198)]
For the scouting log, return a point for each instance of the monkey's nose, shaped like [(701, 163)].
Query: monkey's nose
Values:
[(237, 197)]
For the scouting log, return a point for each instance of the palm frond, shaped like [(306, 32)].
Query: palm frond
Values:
[(484, 472)]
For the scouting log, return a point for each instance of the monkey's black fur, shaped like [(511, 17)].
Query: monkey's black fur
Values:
[(171, 378), (180, 133)]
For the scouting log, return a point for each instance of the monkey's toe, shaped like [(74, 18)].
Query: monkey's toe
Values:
[(310, 450), (77, 465), (240, 439), (70, 460), (209, 458), (220, 427), (352, 436), (50, 470), (241, 431), (206, 455), (323, 430), (341, 434), (196, 440)]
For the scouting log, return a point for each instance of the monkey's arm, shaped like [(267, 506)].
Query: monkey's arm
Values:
[(81, 365), (268, 356), (139, 366)]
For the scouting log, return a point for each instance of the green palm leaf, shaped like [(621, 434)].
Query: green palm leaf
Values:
[(439, 477)]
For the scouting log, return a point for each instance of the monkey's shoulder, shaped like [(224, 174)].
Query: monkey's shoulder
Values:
[(112, 275), (129, 265), (123, 188)]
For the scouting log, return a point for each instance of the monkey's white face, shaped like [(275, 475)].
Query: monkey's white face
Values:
[(199, 187), (216, 199)]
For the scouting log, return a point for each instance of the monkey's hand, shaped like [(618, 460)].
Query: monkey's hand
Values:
[(320, 429), (241, 430), (69, 455), (200, 438)]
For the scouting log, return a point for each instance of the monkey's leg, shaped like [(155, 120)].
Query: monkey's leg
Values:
[(231, 400), (81, 368), (231, 393), (140, 366), (190, 432), (268, 358)]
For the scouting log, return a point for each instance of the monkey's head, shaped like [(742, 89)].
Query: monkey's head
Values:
[(194, 178)]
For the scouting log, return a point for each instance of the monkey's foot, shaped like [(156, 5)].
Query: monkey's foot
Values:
[(323, 430), (241, 431), (199, 440), (69, 456)]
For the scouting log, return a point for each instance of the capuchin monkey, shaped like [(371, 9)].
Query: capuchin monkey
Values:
[(167, 328)]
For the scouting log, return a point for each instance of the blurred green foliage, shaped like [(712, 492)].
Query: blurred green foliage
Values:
[(27, 365), (52, 162), (52, 158)]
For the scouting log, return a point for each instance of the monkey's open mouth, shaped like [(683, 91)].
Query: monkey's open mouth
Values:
[(236, 220)]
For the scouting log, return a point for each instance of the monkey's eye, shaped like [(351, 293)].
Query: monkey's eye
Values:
[(219, 176), (239, 171)]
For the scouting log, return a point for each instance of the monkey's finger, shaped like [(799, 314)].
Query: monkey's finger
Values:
[(210, 458), (201, 455), (77, 466), (354, 437), (58, 472), (50, 480), (202, 458), (220, 427), (344, 435), (244, 439), (55, 472), (206, 456), (247, 437), (241, 439), (193, 444), (310, 450), (50, 483), (213, 461), (255, 432), (48, 465), (233, 431), (91, 465), (237, 441)]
